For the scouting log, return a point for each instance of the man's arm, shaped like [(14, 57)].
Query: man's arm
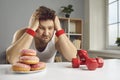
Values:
[(63, 44), (22, 40)]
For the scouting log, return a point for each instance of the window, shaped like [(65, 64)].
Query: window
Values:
[(113, 22)]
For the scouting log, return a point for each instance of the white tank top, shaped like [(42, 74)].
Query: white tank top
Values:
[(49, 53)]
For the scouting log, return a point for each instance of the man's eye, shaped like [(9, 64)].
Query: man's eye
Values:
[(41, 28), (50, 28)]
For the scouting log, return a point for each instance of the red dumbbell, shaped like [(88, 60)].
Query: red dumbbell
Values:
[(100, 62), (84, 60), (75, 62), (91, 63), (83, 54)]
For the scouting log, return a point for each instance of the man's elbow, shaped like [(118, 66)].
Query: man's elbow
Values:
[(10, 59)]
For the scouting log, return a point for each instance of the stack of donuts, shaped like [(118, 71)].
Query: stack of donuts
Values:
[(28, 61)]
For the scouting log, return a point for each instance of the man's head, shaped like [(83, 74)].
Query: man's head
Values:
[(46, 13), (46, 24)]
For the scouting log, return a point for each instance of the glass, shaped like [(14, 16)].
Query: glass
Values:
[(112, 13), (112, 1), (112, 34)]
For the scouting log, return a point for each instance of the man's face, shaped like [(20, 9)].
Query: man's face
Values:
[(45, 30)]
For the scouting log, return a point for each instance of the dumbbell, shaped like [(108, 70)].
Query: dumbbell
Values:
[(84, 56), (91, 63)]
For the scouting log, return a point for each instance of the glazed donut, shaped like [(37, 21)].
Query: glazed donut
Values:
[(38, 66), (28, 52), (29, 59), (21, 67)]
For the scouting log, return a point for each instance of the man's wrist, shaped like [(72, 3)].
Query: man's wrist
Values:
[(33, 28), (31, 32), (59, 32)]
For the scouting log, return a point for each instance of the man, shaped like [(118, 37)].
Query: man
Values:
[(40, 35)]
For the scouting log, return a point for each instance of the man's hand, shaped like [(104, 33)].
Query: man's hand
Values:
[(57, 24), (34, 21)]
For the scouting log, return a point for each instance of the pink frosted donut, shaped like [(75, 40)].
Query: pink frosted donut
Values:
[(21, 67), (38, 66), (29, 59), (28, 52)]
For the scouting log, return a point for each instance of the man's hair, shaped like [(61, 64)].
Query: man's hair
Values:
[(45, 13)]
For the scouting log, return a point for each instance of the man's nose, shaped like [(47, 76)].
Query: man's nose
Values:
[(46, 32)]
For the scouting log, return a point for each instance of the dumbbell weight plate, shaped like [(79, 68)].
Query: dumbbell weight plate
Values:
[(100, 62), (75, 62), (91, 63)]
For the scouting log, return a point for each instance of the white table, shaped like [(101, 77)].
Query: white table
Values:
[(64, 71)]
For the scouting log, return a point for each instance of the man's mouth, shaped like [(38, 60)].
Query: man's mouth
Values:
[(45, 37)]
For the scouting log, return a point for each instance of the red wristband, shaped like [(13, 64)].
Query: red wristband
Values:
[(31, 32), (60, 32)]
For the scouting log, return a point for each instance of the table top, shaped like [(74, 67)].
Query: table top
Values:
[(64, 71)]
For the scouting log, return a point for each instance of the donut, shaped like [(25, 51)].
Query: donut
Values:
[(38, 66), (29, 59), (21, 67), (28, 52)]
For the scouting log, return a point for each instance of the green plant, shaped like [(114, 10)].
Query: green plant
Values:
[(67, 9), (118, 41)]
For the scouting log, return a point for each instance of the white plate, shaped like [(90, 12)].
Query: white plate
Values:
[(23, 72)]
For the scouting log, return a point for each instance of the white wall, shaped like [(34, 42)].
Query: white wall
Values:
[(94, 28), (15, 14)]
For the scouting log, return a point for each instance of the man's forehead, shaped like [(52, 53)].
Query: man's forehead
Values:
[(49, 23)]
